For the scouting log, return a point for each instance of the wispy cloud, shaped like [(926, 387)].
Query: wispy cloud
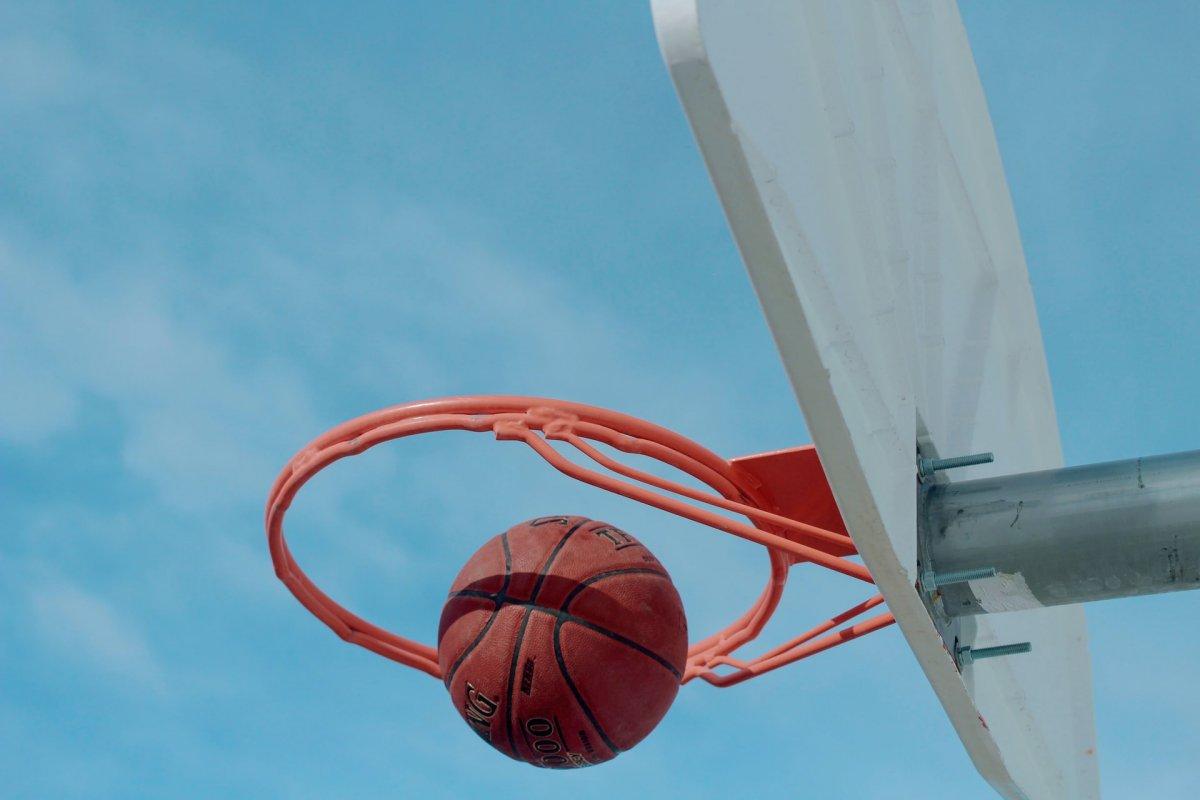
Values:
[(195, 423), (83, 626)]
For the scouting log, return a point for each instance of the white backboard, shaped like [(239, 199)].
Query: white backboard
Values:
[(850, 144)]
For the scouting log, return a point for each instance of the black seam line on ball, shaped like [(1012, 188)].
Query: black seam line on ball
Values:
[(500, 599), (537, 587), (563, 617), (587, 711), (491, 619), (599, 576), (512, 681)]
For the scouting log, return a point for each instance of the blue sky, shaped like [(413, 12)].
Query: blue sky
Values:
[(225, 228)]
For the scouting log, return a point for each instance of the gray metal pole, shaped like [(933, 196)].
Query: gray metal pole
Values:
[(1060, 536)]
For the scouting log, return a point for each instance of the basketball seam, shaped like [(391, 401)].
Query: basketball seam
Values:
[(496, 599), (612, 573), (599, 576), (512, 681), (583, 706), (502, 597), (582, 583), (563, 619), (537, 586), (566, 616)]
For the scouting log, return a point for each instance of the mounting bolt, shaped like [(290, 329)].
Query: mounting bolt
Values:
[(932, 580), (967, 655), (927, 466), (928, 582)]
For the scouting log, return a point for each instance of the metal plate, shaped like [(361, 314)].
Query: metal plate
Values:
[(852, 150)]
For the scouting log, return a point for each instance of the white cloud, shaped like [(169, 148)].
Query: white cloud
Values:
[(198, 428), (85, 626)]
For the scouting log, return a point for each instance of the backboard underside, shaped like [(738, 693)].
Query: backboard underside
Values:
[(852, 150)]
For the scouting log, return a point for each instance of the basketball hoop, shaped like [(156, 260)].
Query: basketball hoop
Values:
[(759, 488)]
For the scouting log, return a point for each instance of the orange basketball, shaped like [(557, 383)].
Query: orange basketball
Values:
[(563, 642)]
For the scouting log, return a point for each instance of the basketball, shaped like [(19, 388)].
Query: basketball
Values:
[(562, 642)]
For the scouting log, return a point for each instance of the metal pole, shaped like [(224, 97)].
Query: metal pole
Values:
[(1060, 536)]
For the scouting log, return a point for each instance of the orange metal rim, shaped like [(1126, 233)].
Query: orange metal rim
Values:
[(537, 422)]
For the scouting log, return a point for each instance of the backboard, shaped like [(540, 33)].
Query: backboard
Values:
[(852, 150)]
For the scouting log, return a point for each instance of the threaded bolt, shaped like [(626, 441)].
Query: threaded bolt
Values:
[(933, 580), (967, 655), (927, 466)]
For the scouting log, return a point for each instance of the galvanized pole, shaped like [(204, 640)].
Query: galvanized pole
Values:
[(1060, 536)]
